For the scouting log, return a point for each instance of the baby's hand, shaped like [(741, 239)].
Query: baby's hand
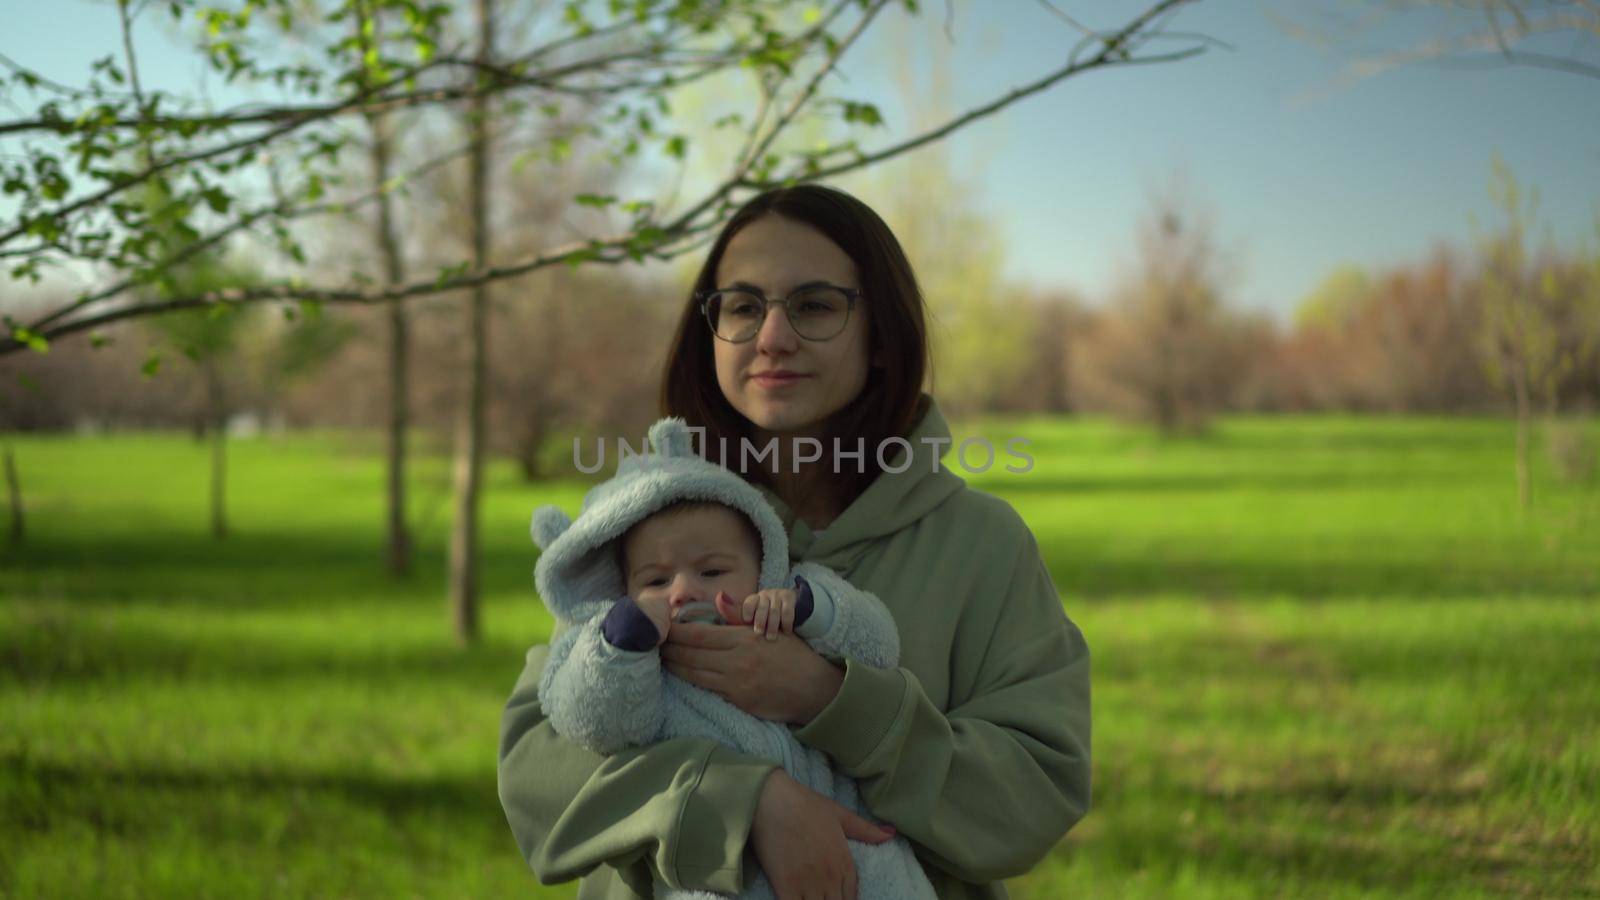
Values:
[(660, 615), (771, 611)]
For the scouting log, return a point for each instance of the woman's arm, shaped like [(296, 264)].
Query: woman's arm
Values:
[(680, 810), (987, 788)]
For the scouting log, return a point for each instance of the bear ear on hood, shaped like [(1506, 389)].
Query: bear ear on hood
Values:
[(670, 437), (549, 523)]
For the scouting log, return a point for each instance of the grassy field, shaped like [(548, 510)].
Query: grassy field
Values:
[(1330, 659)]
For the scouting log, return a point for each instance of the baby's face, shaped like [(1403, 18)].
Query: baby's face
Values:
[(685, 557)]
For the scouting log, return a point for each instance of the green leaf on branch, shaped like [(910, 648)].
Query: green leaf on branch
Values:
[(865, 113), (587, 254), (34, 340), (218, 200), (451, 273), (598, 201), (151, 366)]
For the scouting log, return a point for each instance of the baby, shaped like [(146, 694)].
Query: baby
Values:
[(688, 562), (673, 538)]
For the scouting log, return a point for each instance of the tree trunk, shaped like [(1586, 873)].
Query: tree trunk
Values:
[(1057, 353), (469, 421), (217, 414), (399, 543), (544, 404), (533, 435), (14, 492), (399, 533), (1524, 424)]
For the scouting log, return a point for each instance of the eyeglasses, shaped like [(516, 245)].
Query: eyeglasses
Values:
[(816, 312)]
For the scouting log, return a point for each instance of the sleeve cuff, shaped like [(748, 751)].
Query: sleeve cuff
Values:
[(819, 610), (627, 627), (861, 715), (716, 820)]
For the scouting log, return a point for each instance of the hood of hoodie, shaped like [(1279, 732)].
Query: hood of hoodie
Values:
[(577, 573), (894, 500)]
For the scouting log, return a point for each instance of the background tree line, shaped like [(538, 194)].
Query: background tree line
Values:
[(581, 347)]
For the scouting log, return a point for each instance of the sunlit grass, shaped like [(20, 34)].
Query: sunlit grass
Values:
[(1330, 656)]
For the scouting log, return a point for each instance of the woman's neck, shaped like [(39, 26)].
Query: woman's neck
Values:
[(814, 501), (813, 496)]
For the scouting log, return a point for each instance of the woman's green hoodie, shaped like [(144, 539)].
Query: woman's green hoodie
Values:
[(976, 748)]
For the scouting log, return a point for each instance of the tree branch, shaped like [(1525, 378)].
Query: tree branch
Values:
[(610, 252), (276, 210), (1112, 46), (644, 239)]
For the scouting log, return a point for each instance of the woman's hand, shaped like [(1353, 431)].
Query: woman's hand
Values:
[(783, 680), (799, 838)]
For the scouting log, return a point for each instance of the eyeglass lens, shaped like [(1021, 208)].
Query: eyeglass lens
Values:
[(816, 313)]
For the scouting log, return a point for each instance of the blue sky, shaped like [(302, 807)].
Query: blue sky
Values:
[(1299, 178)]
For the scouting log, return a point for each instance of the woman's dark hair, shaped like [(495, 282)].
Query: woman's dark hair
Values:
[(889, 403)]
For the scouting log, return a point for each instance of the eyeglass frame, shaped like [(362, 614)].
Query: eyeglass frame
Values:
[(851, 295)]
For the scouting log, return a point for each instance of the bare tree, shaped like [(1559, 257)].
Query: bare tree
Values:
[(369, 25), (978, 325), (1163, 352), (14, 498), (1522, 308), (1055, 319), (1559, 35), (554, 353), (475, 347)]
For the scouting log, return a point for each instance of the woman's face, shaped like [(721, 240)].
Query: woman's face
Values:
[(783, 384)]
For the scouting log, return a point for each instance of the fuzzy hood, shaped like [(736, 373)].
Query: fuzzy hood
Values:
[(577, 574)]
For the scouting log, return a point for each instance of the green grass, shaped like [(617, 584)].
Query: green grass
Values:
[(1330, 659)]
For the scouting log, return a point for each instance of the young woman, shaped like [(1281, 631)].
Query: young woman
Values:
[(802, 354)]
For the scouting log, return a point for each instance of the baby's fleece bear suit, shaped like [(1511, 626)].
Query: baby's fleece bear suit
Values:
[(606, 698)]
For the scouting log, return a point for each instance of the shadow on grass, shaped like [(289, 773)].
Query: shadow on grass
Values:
[(1080, 575), (235, 802), (66, 651), (294, 571), (1223, 484), (1373, 830), (276, 570)]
